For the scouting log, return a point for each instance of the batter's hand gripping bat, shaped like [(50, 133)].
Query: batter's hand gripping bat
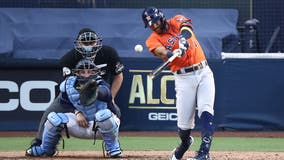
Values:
[(160, 68)]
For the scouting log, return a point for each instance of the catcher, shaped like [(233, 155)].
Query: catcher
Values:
[(87, 45), (89, 95)]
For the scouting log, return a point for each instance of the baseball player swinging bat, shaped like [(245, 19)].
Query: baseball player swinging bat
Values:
[(160, 68)]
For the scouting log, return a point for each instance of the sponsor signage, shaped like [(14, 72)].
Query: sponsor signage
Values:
[(26, 92), (24, 95)]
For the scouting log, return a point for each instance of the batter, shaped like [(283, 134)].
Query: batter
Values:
[(194, 81)]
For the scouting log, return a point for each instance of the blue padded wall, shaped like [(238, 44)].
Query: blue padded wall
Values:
[(49, 33)]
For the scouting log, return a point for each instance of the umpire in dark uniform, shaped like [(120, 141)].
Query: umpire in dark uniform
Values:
[(87, 45)]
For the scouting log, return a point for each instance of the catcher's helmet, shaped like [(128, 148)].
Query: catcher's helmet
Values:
[(151, 15), (88, 43), (86, 65)]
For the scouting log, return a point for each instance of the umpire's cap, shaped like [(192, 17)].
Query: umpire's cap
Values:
[(84, 30)]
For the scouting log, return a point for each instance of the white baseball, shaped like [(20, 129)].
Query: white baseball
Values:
[(138, 48)]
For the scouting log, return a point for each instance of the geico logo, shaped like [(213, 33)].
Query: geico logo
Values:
[(152, 116), (24, 96)]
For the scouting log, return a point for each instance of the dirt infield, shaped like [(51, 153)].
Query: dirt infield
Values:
[(153, 155), (146, 155)]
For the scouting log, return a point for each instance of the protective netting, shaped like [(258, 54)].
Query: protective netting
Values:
[(265, 35)]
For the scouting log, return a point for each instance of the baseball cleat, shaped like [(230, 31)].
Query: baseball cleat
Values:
[(34, 142), (115, 154), (37, 151), (34, 151), (173, 157)]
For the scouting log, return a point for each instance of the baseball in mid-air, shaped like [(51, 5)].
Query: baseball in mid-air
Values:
[(138, 48)]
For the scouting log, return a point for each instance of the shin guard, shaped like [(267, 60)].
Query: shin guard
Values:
[(52, 132), (109, 130)]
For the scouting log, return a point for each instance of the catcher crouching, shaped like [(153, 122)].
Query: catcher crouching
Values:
[(93, 113)]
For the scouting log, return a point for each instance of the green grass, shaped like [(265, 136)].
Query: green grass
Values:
[(156, 143)]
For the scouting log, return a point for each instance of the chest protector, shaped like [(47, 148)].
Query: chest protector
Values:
[(74, 97)]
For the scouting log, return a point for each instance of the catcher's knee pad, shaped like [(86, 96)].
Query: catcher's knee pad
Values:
[(109, 130), (57, 118), (105, 121)]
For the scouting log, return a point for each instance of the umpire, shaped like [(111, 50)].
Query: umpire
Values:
[(88, 45)]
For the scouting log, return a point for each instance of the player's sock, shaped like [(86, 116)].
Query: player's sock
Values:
[(185, 142), (207, 132)]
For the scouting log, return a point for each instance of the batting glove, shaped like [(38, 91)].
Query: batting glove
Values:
[(183, 45), (179, 52)]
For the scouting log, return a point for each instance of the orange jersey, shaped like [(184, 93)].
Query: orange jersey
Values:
[(170, 40)]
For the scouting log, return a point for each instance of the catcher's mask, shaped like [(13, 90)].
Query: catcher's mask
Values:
[(88, 43), (86, 70)]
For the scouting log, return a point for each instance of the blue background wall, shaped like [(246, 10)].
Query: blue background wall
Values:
[(49, 33), (269, 13)]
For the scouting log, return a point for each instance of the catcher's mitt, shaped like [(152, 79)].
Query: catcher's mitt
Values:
[(88, 93)]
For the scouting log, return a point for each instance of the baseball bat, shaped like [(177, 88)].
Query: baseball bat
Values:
[(161, 67)]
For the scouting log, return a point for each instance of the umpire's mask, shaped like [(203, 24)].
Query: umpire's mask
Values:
[(88, 43)]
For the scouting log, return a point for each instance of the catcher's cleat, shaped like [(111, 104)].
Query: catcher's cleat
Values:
[(200, 156), (115, 153), (34, 142), (181, 149), (34, 151)]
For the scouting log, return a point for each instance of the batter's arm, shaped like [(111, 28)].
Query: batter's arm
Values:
[(161, 52)]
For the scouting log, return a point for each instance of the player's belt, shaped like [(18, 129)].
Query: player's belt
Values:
[(194, 67)]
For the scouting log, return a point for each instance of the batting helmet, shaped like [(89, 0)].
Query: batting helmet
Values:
[(151, 15), (88, 43)]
